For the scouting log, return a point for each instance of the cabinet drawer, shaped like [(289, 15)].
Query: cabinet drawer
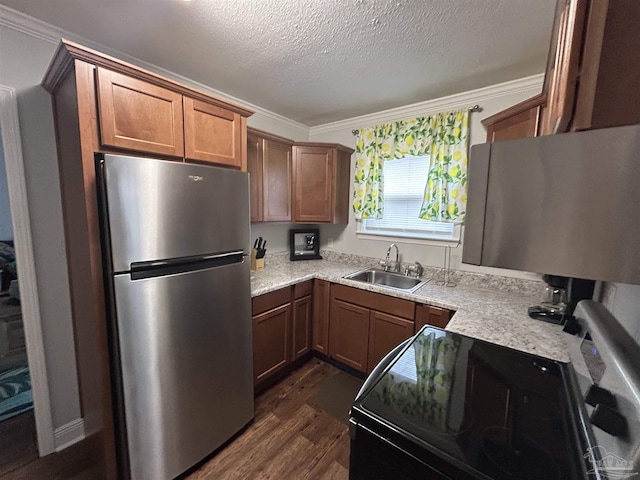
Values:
[(136, 115), (302, 289), (375, 301), (212, 134), (271, 300)]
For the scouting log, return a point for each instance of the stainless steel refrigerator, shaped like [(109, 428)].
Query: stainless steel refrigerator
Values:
[(176, 240)]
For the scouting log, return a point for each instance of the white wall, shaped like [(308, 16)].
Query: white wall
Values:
[(23, 60), (492, 100), (6, 230)]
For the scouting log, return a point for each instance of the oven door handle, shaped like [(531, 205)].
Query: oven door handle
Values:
[(382, 364)]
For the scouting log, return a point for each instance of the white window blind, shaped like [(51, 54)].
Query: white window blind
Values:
[(404, 183)]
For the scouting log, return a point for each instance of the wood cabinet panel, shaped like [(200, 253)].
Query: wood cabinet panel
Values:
[(254, 167), (519, 121), (301, 331), (212, 134), (563, 65), (349, 334), (270, 300), (607, 93), (321, 307), (271, 343), (375, 301), (303, 289), (386, 331), (276, 181), (428, 315), (136, 115), (312, 184)]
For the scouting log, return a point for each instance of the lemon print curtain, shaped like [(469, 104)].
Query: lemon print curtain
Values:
[(441, 136), (445, 195)]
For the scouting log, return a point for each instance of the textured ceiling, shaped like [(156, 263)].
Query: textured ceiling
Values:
[(317, 61)]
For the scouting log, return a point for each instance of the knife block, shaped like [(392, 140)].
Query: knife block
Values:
[(256, 263)]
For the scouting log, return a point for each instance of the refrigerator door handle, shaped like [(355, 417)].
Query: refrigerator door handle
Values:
[(158, 268)]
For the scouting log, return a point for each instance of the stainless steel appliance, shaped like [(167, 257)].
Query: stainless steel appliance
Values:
[(559, 204), (443, 405), (176, 238)]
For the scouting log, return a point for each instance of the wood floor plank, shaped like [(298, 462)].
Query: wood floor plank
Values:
[(290, 438), (18, 445)]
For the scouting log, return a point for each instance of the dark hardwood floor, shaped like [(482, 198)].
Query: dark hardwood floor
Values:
[(290, 438), (18, 444)]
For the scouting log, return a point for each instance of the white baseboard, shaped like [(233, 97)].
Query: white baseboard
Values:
[(68, 434)]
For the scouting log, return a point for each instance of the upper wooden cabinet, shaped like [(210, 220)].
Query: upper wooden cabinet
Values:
[(269, 163), (591, 76), (137, 115), (212, 134), (606, 85), (321, 178), (519, 121)]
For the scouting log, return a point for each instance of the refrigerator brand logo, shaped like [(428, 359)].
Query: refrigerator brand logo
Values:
[(196, 178)]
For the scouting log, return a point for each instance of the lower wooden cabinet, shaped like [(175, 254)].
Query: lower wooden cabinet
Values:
[(281, 329), (301, 331), (321, 307), (428, 315), (354, 327), (271, 344), (364, 326), (385, 332), (349, 334)]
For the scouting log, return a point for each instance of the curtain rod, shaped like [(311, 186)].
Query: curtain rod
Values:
[(475, 108)]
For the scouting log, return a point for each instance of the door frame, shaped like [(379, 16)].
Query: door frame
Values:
[(21, 223)]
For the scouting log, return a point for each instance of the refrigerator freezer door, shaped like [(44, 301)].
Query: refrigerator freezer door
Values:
[(160, 209), (186, 365)]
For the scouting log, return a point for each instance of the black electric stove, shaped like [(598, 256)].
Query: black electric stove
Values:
[(444, 405)]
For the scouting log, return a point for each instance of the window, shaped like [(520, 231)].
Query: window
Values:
[(404, 183)]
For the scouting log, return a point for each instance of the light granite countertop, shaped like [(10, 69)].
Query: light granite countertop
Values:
[(488, 307)]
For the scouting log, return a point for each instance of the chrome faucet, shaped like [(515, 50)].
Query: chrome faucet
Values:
[(417, 268), (396, 267)]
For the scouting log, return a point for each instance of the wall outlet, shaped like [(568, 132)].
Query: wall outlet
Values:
[(329, 242)]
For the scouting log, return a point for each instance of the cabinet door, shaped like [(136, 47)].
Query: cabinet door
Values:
[(320, 334), (136, 115), (428, 315), (312, 184), (349, 332), (254, 167), (271, 344), (521, 125), (386, 332), (276, 185), (301, 332), (212, 134), (562, 70)]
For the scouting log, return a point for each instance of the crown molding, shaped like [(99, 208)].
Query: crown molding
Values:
[(46, 32), (33, 27), (531, 84)]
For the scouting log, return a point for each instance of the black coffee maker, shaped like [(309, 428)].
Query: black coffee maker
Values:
[(560, 297)]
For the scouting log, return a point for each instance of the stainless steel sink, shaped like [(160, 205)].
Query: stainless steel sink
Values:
[(387, 279)]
